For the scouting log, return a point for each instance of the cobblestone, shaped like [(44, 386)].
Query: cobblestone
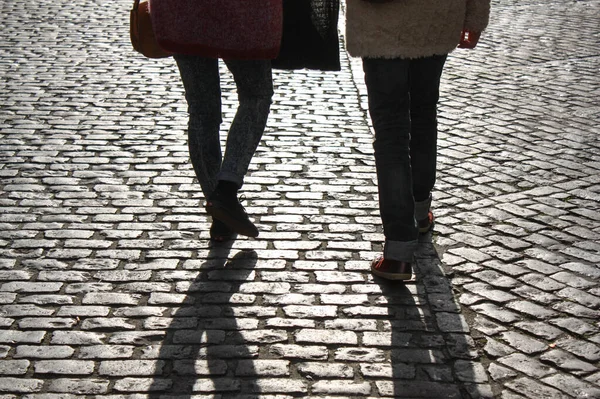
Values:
[(530, 388), (110, 288), (75, 367)]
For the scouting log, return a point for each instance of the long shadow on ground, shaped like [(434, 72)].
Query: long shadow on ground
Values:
[(432, 354), (204, 352)]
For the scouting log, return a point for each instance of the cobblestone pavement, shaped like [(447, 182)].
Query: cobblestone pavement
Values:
[(110, 289)]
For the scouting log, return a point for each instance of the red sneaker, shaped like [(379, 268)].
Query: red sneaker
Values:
[(425, 224), (391, 269)]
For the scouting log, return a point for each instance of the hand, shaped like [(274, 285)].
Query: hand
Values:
[(469, 39)]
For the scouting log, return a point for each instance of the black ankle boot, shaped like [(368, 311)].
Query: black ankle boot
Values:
[(224, 206)]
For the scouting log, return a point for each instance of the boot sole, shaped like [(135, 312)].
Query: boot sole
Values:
[(222, 237)]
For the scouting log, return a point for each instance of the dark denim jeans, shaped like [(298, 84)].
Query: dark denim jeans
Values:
[(201, 81), (403, 96)]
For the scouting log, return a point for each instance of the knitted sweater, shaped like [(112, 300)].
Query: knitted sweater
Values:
[(411, 28)]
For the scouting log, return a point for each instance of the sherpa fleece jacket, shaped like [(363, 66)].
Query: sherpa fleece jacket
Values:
[(411, 28)]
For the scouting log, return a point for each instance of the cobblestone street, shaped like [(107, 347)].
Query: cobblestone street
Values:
[(110, 288)]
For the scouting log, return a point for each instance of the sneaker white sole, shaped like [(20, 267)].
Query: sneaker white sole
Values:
[(392, 276)]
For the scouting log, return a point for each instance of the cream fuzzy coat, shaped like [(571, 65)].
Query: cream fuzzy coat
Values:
[(411, 28)]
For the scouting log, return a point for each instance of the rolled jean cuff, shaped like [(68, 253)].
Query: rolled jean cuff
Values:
[(232, 177), (422, 208), (400, 250)]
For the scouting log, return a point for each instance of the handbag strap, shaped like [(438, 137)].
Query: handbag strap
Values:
[(136, 5)]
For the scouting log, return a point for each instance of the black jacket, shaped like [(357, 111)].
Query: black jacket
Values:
[(310, 35)]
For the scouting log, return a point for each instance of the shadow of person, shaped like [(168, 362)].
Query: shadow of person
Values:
[(430, 349), (204, 353)]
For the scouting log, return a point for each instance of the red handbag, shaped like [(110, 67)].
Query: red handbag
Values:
[(230, 29), (141, 33)]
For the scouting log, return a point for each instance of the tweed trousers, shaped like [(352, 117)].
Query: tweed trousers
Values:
[(201, 81)]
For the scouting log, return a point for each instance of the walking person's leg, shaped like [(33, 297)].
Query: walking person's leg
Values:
[(425, 75), (387, 83), (255, 91), (201, 81)]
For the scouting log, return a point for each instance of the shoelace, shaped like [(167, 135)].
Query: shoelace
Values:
[(241, 198)]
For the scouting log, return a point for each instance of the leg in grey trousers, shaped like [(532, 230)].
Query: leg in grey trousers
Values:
[(201, 81)]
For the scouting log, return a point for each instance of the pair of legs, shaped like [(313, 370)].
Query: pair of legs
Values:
[(201, 81), (403, 96), (221, 176)]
